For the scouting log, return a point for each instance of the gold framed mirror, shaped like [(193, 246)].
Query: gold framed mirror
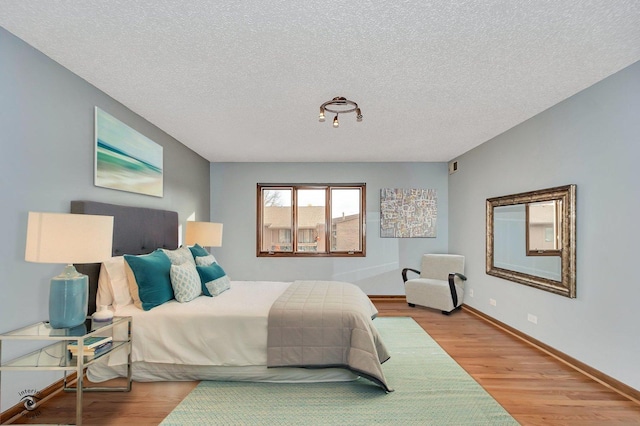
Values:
[(531, 239)]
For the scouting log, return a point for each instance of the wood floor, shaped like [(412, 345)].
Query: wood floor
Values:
[(535, 388)]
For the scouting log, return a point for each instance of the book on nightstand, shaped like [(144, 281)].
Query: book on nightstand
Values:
[(92, 346), (93, 351)]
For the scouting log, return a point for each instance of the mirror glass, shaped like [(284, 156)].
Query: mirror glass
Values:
[(531, 239)]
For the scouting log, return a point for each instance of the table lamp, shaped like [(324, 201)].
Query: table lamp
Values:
[(206, 234), (68, 238)]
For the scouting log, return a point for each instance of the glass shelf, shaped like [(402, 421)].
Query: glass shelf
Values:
[(43, 330), (55, 357)]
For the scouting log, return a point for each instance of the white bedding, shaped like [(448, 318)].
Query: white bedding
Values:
[(229, 329), (198, 339)]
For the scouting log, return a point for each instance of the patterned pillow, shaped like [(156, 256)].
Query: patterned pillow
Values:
[(185, 282), (180, 255), (205, 260), (214, 280)]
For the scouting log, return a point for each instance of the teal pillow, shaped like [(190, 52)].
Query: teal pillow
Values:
[(196, 251), (214, 280), (152, 279)]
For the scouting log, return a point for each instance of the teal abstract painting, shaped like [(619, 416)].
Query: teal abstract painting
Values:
[(125, 159)]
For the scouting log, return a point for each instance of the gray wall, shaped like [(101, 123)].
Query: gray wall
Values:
[(233, 202), (591, 140), (46, 160)]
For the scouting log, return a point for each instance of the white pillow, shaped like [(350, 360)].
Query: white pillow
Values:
[(104, 295), (185, 282), (205, 260), (117, 281), (180, 255)]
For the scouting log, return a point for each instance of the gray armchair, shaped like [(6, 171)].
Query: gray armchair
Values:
[(440, 284)]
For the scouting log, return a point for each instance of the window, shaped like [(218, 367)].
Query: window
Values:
[(311, 220), (543, 228)]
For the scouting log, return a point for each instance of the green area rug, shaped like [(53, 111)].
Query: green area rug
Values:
[(430, 389)]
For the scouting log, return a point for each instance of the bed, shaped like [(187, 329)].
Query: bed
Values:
[(302, 331)]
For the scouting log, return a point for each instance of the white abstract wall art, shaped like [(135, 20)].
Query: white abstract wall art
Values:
[(408, 213)]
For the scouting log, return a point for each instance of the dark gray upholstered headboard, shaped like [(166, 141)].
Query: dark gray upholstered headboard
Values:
[(136, 230)]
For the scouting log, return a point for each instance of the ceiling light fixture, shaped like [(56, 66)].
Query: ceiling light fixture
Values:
[(339, 105)]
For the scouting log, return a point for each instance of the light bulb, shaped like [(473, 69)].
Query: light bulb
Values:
[(321, 116), (358, 114), (335, 121)]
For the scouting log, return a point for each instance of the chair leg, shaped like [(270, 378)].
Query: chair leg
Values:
[(454, 309), (412, 305)]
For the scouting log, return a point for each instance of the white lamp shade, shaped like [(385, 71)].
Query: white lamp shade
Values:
[(206, 234), (68, 238)]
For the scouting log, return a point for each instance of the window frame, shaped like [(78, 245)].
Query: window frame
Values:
[(328, 228)]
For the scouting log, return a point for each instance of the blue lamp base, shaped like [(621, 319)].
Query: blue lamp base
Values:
[(68, 298)]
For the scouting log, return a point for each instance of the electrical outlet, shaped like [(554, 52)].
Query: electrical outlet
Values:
[(492, 302), (471, 293), (532, 318)]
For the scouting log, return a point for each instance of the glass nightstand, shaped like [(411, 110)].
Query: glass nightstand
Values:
[(56, 356)]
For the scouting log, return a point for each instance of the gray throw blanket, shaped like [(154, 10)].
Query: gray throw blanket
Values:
[(322, 324)]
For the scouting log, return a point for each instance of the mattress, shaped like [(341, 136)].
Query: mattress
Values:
[(208, 338)]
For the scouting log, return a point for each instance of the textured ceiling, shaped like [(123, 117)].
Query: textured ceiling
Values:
[(243, 82)]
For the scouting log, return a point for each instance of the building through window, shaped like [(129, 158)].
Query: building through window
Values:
[(311, 219)]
